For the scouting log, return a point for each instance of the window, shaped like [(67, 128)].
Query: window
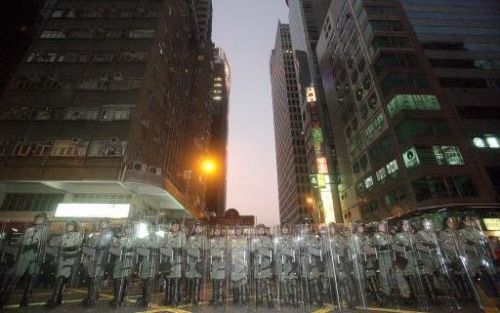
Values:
[(5, 146), (381, 174), (457, 82), (53, 34), (57, 14), (22, 148), (375, 128), (429, 187), (29, 202), (42, 148), (478, 112), (448, 155), (380, 41), (392, 167), (76, 114), (403, 80), (380, 149), (462, 186), (142, 33), (492, 142), (116, 114), (412, 102), (412, 127), (369, 182), (107, 148), (41, 114), (69, 148), (394, 60)]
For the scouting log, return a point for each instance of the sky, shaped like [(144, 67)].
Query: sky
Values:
[(246, 30)]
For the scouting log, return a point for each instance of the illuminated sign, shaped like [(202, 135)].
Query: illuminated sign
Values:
[(313, 179), (317, 135), (93, 210), (492, 224), (410, 157), (310, 94), (322, 165), (318, 150), (321, 180)]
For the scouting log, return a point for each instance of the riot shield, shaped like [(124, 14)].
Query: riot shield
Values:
[(477, 261), (262, 251), (240, 266), (217, 261), (362, 266), (340, 286), (96, 260), (433, 268), (196, 264), (173, 253), (286, 268), (406, 269), (310, 266)]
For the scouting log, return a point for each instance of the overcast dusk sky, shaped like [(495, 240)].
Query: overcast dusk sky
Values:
[(246, 30)]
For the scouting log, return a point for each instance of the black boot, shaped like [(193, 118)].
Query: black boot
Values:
[(197, 283), (8, 286), (269, 294), (168, 292), (116, 294), (27, 292), (57, 290), (176, 292)]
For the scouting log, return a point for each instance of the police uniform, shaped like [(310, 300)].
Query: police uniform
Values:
[(96, 255), (218, 267), (68, 259), (262, 251), (428, 261), (239, 268), (148, 250), (172, 258), (382, 241), (406, 264), (123, 251), (29, 261), (286, 262), (196, 247), (311, 260)]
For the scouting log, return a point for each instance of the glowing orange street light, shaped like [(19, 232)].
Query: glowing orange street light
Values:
[(208, 166), (310, 200)]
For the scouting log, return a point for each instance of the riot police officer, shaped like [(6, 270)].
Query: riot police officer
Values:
[(363, 266), (123, 252), (96, 258), (148, 254), (240, 257), (287, 264), (262, 254), (196, 247), (311, 261), (218, 265), (406, 262), (381, 242), (31, 250), (68, 258), (172, 259)]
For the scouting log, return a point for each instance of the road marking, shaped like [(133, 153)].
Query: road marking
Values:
[(165, 309), (388, 310)]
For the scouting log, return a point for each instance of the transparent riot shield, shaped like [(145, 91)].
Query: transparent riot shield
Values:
[(433, 267), (262, 251), (362, 266), (196, 264), (310, 266), (340, 284), (286, 264), (173, 253), (406, 269), (24, 251), (477, 260), (97, 261), (240, 266), (217, 263)]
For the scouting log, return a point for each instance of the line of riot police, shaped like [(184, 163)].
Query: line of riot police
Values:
[(404, 264)]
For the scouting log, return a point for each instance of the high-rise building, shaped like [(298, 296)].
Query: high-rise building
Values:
[(291, 162), (203, 15), (407, 88), (19, 23), (306, 18), (219, 107), (108, 113)]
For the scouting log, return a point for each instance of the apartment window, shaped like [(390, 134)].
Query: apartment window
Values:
[(478, 112), (429, 187), (75, 114), (41, 114), (412, 102), (29, 202), (448, 155), (57, 13), (375, 128), (380, 149), (42, 148), (386, 25), (53, 34), (76, 57), (103, 57), (142, 33), (457, 82), (69, 148), (107, 148), (380, 41), (22, 148), (381, 174), (5, 146), (135, 56), (47, 57), (396, 196), (369, 182), (116, 114), (392, 167)]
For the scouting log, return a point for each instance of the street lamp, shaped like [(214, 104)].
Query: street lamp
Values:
[(208, 166)]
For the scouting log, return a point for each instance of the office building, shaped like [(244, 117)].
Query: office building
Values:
[(291, 162), (107, 115), (217, 150), (393, 74), (305, 18)]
